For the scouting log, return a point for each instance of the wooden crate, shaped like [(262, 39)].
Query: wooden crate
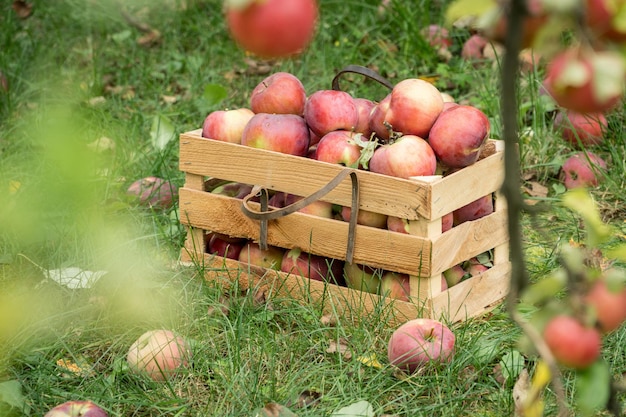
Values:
[(424, 254)]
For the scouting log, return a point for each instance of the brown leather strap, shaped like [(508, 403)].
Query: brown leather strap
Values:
[(361, 70), (265, 213)]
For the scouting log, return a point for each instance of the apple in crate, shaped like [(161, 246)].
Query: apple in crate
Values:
[(272, 28), (159, 354), (78, 408), (580, 129), (458, 135), (233, 189), (316, 208), (280, 93), (285, 133), (316, 267), (365, 217), (395, 285), (409, 156), (474, 210), (154, 192), (362, 277), (328, 110), (419, 342), (400, 225), (414, 106), (226, 125), (572, 343), (340, 147), (364, 107), (454, 275), (583, 169), (377, 119), (224, 245), (252, 254)]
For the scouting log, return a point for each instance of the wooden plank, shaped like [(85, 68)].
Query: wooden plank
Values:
[(379, 248), (409, 199)]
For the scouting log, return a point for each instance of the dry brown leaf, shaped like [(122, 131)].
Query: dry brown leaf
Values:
[(520, 391), (340, 347), (498, 375), (22, 8), (307, 398), (102, 144), (328, 320), (96, 101), (169, 99), (223, 307), (153, 37)]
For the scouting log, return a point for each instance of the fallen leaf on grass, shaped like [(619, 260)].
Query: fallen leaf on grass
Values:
[(149, 39), (329, 320), (357, 409), (74, 369), (535, 190), (307, 398), (274, 410), (169, 99), (341, 347), (22, 9), (102, 144), (370, 360), (74, 277), (96, 101)]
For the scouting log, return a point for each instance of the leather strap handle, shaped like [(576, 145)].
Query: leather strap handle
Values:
[(361, 70)]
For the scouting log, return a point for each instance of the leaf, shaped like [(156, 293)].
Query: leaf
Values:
[(367, 150), (11, 394), (22, 8), (546, 288), (609, 71), (580, 201), (512, 364), (618, 252), (214, 94), (358, 409), (74, 277), (468, 10), (593, 388), (370, 360), (162, 132), (274, 410)]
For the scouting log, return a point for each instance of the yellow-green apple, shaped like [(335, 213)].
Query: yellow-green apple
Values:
[(285, 133), (154, 192), (419, 342), (581, 129), (377, 119), (316, 267), (474, 210), (159, 354), (233, 189), (340, 147), (458, 145), (572, 343), (252, 254), (77, 408), (364, 108), (362, 277), (365, 217), (454, 275), (474, 267), (608, 304), (586, 81), (328, 110), (226, 125), (281, 93), (395, 285), (408, 156), (272, 28), (583, 169), (414, 106), (223, 245)]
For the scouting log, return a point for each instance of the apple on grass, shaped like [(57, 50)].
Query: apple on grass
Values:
[(408, 156), (252, 254), (456, 144), (272, 28), (154, 192), (583, 169), (159, 354), (328, 110), (581, 129), (285, 133), (362, 277), (419, 342), (572, 343), (226, 125), (280, 93), (77, 408)]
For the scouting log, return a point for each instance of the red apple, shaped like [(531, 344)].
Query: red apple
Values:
[(414, 106), (474, 267), (226, 125), (458, 145), (252, 254), (608, 304), (339, 147), (409, 156), (328, 110), (473, 48), (418, 342), (281, 93), (580, 129), (395, 285), (78, 408), (285, 133), (159, 354), (362, 277), (602, 16), (319, 268), (364, 108), (586, 81), (365, 217), (571, 343), (272, 28), (315, 139), (474, 210), (583, 169), (436, 36), (224, 246), (447, 221), (317, 208), (377, 119), (397, 224), (154, 192)]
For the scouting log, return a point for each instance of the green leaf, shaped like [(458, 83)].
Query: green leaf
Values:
[(358, 409), (618, 252), (580, 201), (214, 94), (273, 410), (161, 132), (593, 388), (512, 364), (238, 4), (545, 289), (468, 9), (367, 150), (11, 395)]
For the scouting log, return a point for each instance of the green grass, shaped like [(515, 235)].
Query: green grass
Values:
[(70, 210)]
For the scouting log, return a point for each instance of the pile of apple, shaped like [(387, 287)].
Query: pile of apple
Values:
[(415, 131)]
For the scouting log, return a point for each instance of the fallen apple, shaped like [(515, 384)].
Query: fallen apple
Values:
[(77, 408), (580, 129), (154, 192), (583, 169), (159, 354)]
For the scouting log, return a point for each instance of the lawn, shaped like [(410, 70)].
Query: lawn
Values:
[(96, 95)]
